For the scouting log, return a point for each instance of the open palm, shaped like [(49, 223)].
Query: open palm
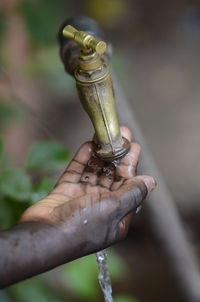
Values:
[(89, 175), (88, 182)]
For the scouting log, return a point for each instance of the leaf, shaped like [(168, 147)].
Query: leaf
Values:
[(2, 25), (1, 148), (6, 217), (124, 298), (16, 184), (33, 290), (46, 156), (116, 264), (52, 73), (4, 296), (42, 19), (8, 110), (81, 278), (44, 187)]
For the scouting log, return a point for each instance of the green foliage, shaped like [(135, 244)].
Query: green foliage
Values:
[(2, 35), (1, 149), (46, 185), (46, 156), (15, 184), (46, 64), (81, 275), (6, 214), (42, 19), (4, 296), (124, 298), (117, 267), (34, 290), (2, 25), (7, 111), (42, 189), (17, 190)]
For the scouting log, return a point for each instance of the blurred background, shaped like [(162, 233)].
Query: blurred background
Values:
[(156, 48)]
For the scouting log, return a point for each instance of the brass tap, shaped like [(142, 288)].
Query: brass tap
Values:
[(84, 39), (96, 94)]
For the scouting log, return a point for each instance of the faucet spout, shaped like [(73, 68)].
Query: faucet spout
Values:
[(94, 85)]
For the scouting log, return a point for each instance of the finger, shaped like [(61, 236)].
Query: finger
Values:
[(125, 132), (132, 193), (124, 225), (77, 165), (128, 165), (83, 154), (125, 222), (133, 156), (118, 182)]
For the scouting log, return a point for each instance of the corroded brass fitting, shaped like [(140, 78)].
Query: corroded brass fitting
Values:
[(95, 89)]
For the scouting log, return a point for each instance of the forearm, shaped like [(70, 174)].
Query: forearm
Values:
[(76, 228), (31, 248)]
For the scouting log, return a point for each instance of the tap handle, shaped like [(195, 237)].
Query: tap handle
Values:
[(69, 51), (84, 39)]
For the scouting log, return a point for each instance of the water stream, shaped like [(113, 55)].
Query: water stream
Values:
[(104, 276)]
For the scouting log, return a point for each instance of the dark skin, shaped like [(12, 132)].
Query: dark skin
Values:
[(89, 209)]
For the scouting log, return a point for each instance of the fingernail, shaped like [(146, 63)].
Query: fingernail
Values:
[(150, 183)]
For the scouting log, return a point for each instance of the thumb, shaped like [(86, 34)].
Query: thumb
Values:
[(132, 193)]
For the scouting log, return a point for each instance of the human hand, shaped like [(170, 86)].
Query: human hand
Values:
[(94, 201)]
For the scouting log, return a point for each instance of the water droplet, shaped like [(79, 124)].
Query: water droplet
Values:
[(95, 164), (107, 171), (138, 209), (100, 258), (85, 221)]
